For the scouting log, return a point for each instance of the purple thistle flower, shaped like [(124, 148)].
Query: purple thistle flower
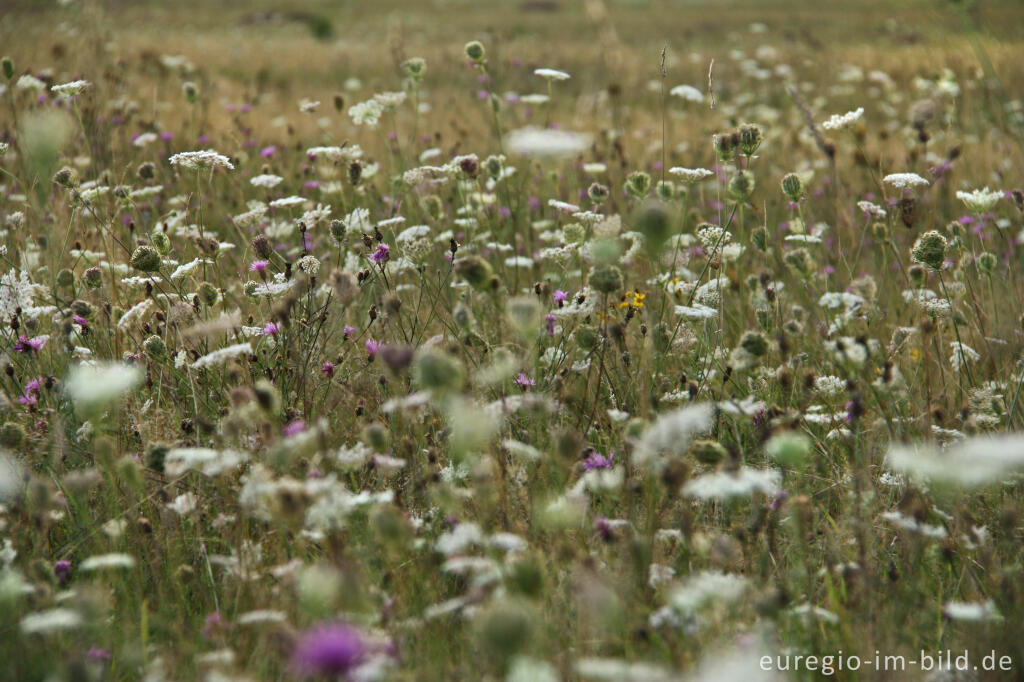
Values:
[(381, 255), (372, 347), (293, 428), (31, 395), (525, 381), (62, 571), (271, 329), (25, 344), (327, 370), (330, 650), (559, 296), (267, 152), (348, 331), (259, 265), (598, 461), (550, 320)]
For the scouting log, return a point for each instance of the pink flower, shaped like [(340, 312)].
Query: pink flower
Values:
[(26, 344), (327, 370), (348, 330), (525, 381), (559, 296), (259, 265), (372, 347), (598, 461), (271, 329), (294, 428), (381, 255), (550, 320), (31, 395)]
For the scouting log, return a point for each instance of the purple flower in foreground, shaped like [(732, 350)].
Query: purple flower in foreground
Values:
[(271, 329), (598, 461), (294, 428), (372, 347), (549, 319), (381, 255), (348, 331), (62, 571), (327, 370), (267, 152), (329, 650), (31, 394), (524, 381), (259, 265), (559, 296), (25, 344)]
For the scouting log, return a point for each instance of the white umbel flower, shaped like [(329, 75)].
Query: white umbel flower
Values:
[(980, 200), (71, 89), (905, 180), (723, 485), (691, 175), (54, 620), (552, 74), (201, 160), (532, 141), (103, 561), (93, 388), (838, 121), (688, 93)]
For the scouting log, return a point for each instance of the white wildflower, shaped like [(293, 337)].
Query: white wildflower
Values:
[(980, 200), (837, 121), (201, 160), (723, 485), (546, 142)]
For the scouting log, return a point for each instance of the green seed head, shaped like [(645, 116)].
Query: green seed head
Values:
[(475, 52), (930, 250), (606, 279), (146, 259), (793, 187)]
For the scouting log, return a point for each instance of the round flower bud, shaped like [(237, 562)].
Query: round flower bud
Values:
[(987, 262), (475, 52), (436, 370), (161, 242), (606, 279), (376, 436), (725, 144), (709, 452), (755, 344), (665, 190), (208, 294), (261, 245), (146, 259), (759, 238), (793, 187), (155, 348), (146, 171), (597, 192), (81, 308), (741, 185), (586, 337), (917, 274), (751, 138), (800, 261), (493, 164), (65, 279), (249, 288), (788, 448), (8, 66), (64, 177), (638, 184), (191, 91), (474, 270), (929, 249), (93, 278), (573, 233), (415, 67)]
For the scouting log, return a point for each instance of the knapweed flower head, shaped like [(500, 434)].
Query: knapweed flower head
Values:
[(201, 160), (329, 650), (381, 254), (595, 460)]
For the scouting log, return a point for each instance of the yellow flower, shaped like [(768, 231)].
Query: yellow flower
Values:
[(634, 299)]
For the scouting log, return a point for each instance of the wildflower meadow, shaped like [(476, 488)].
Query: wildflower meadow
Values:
[(517, 341)]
